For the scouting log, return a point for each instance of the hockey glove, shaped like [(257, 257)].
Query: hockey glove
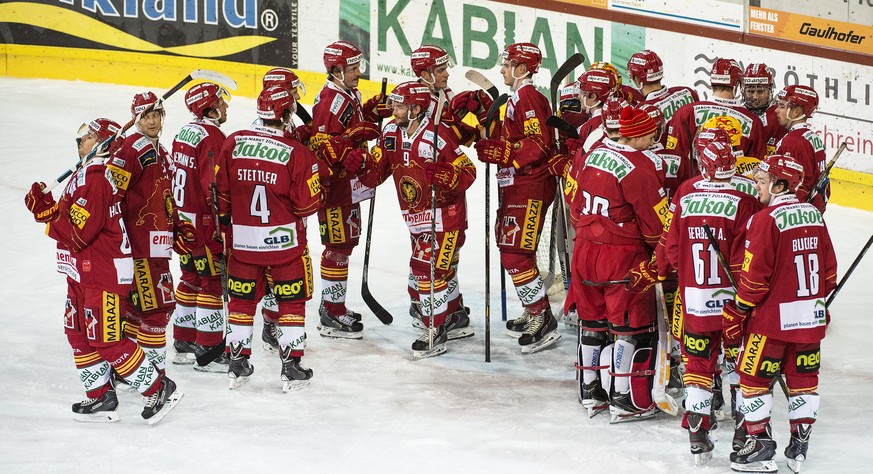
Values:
[(733, 315), (573, 146), (558, 165), (184, 237), (493, 150), (335, 149), (441, 174), (376, 106), (643, 276), (304, 132), (115, 145), (355, 160), (43, 206), (362, 132)]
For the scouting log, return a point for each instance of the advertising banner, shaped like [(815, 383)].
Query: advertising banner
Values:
[(811, 30), (724, 14)]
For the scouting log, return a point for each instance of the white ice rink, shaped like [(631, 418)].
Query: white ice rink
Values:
[(370, 407)]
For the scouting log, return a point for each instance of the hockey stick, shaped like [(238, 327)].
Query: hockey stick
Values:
[(559, 241), (562, 125), (477, 78), (492, 113), (203, 74), (441, 101), (369, 300), (607, 282), (849, 273), (819, 186), (304, 115)]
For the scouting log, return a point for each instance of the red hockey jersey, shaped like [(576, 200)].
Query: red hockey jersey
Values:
[(93, 245), (524, 125), (268, 183), (788, 270), (686, 122), (143, 174), (807, 147)]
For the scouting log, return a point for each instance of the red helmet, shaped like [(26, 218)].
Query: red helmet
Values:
[(657, 115), (341, 54), (204, 96), (102, 128), (757, 74), (725, 73), (427, 57), (143, 101), (800, 96), (605, 66), (411, 93), (283, 77), (710, 135), (524, 53), (611, 112), (598, 82), (783, 167), (717, 161), (273, 102), (645, 67)]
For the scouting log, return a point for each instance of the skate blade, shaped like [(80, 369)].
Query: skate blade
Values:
[(418, 324), (795, 464), (757, 466), (514, 334), (237, 382), (270, 348), (547, 341), (211, 368), (436, 351), (596, 410), (720, 415), (623, 416), (294, 385), (168, 406), (182, 358), (100, 417), (701, 459), (337, 334), (460, 333)]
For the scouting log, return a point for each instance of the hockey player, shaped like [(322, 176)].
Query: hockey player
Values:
[(759, 98), (707, 199), (526, 191), (596, 87), (406, 152), (341, 123), (646, 71), (143, 173), (624, 91), (94, 252), (788, 269), (726, 79), (620, 206), (199, 320), (795, 106), (267, 185)]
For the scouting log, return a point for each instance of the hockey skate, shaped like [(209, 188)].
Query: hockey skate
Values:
[(420, 348), (571, 318), (458, 324), (294, 375), (238, 369), (185, 352), (217, 365), (515, 327), (676, 386), (718, 412), (797, 446), (622, 409), (594, 398), (417, 317), (103, 409), (541, 332), (268, 335), (701, 441), (756, 456), (344, 326), (740, 434), (158, 404)]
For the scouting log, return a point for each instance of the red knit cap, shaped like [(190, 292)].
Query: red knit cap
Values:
[(635, 123)]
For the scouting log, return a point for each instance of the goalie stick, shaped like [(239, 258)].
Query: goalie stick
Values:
[(665, 402), (492, 113), (203, 74), (624, 281), (819, 186), (371, 302)]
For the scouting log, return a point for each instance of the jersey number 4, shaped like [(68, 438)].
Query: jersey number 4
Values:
[(259, 207)]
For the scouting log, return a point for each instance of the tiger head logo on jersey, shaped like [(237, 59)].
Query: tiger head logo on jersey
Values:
[(410, 189), (728, 124)]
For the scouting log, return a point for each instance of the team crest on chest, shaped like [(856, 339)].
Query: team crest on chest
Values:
[(410, 190)]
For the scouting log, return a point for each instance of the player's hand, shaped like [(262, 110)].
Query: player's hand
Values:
[(732, 319), (643, 276), (184, 236), (440, 174), (335, 149), (377, 107), (362, 131), (304, 132), (493, 150), (355, 160), (558, 165), (573, 146), (42, 206)]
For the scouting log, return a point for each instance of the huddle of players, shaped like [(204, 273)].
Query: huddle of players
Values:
[(639, 199), (621, 175)]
